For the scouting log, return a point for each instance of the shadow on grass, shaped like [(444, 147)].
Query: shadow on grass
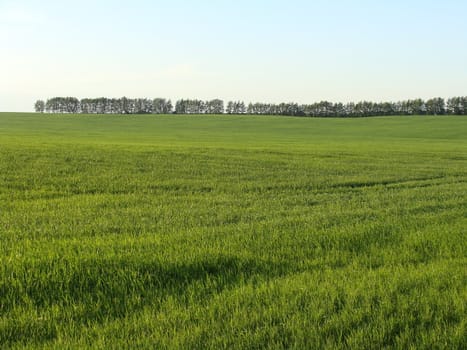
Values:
[(95, 290)]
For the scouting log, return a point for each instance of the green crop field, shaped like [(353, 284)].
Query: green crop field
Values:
[(233, 232)]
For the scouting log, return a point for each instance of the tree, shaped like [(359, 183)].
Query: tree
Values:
[(180, 107), (435, 106), (230, 108), (456, 105), (162, 106), (39, 106), (240, 107), (215, 107)]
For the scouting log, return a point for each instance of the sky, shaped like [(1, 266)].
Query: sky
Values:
[(256, 50)]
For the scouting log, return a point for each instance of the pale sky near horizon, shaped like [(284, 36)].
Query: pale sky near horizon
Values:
[(265, 51)]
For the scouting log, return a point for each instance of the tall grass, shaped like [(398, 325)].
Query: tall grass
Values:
[(218, 232)]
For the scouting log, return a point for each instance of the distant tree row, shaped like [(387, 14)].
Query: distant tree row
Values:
[(434, 106), (199, 107), (105, 105)]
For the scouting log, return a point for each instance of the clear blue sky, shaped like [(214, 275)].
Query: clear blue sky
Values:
[(261, 50)]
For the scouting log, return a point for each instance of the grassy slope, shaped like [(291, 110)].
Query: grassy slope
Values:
[(226, 232)]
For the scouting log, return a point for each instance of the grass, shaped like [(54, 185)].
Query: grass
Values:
[(232, 232)]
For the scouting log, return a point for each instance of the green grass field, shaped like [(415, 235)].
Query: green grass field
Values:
[(218, 232)]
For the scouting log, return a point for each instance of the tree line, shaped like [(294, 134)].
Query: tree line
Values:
[(434, 106)]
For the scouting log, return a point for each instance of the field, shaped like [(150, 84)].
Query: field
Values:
[(215, 232)]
